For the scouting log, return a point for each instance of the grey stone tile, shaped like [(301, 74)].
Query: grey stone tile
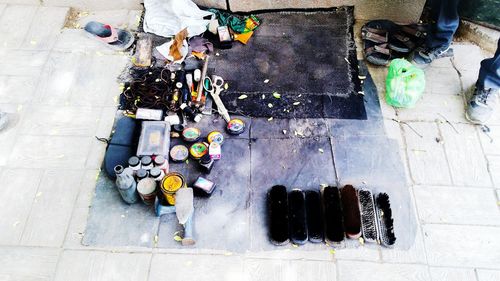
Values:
[(115, 18), (18, 19), (33, 264), (456, 205), (354, 271), (415, 254), (294, 163), (442, 81), (78, 222), (494, 168), (356, 127), (112, 222), (2, 7), (292, 270), (16, 198), (431, 107), (45, 28), (427, 159), (197, 267), (467, 56), (61, 121), (76, 41), (58, 78), (294, 254), (462, 246), (490, 141), (22, 62), (16, 89), (373, 163), (226, 213), (96, 80), (452, 274), (50, 152), (289, 128), (134, 18), (95, 265), (8, 136), (216, 123), (488, 275), (358, 253), (52, 208), (96, 154), (465, 156)]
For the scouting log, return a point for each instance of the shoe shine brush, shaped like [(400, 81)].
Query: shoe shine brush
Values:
[(368, 216), (385, 220), (332, 212), (352, 216)]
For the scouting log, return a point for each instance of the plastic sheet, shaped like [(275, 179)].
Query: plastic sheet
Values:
[(167, 17)]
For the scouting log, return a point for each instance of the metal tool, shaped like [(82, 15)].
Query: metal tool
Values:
[(215, 86), (203, 75)]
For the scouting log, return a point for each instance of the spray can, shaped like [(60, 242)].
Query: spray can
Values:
[(126, 184)]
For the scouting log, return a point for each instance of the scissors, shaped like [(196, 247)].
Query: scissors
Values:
[(215, 86)]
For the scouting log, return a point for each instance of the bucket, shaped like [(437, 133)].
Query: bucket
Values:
[(170, 184), (147, 190)]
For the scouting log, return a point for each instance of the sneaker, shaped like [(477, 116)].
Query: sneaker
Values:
[(423, 57), (482, 105)]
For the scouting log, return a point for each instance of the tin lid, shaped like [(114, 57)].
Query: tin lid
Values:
[(235, 126), (159, 160), (172, 182), (215, 136), (141, 173), (198, 149), (191, 134), (146, 186), (179, 153), (155, 172), (133, 161), (146, 160)]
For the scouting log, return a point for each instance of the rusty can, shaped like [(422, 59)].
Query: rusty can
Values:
[(147, 190), (170, 184)]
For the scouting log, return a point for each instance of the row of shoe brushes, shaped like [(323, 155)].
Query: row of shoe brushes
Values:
[(329, 215)]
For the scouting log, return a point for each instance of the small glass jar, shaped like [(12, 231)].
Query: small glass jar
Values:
[(146, 163), (161, 163), (141, 174), (157, 174), (134, 163)]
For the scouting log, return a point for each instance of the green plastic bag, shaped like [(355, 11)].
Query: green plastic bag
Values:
[(405, 84)]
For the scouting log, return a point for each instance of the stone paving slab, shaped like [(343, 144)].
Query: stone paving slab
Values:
[(45, 28), (462, 147), (491, 144), (359, 271), (456, 205), (22, 86), (33, 264), (16, 197), (18, 19), (50, 152), (452, 274), (22, 62), (427, 159), (96, 265), (433, 107), (52, 208), (442, 81), (494, 169), (488, 275), (462, 246)]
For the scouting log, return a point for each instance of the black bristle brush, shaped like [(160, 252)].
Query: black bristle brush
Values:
[(277, 200), (297, 215), (368, 216), (385, 220), (350, 208), (314, 216), (332, 212)]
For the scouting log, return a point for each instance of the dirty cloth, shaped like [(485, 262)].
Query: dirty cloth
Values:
[(167, 17), (200, 45), (237, 24)]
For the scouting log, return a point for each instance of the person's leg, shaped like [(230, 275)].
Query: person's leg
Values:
[(486, 98), (440, 35), (445, 14)]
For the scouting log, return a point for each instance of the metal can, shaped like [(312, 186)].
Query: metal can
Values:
[(147, 190), (170, 184), (215, 136), (198, 149), (179, 153), (235, 126), (191, 134)]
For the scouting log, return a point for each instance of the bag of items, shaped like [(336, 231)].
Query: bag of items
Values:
[(405, 84)]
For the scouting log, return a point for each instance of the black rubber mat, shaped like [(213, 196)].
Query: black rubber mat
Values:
[(309, 58)]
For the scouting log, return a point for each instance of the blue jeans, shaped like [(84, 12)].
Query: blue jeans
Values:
[(445, 14)]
